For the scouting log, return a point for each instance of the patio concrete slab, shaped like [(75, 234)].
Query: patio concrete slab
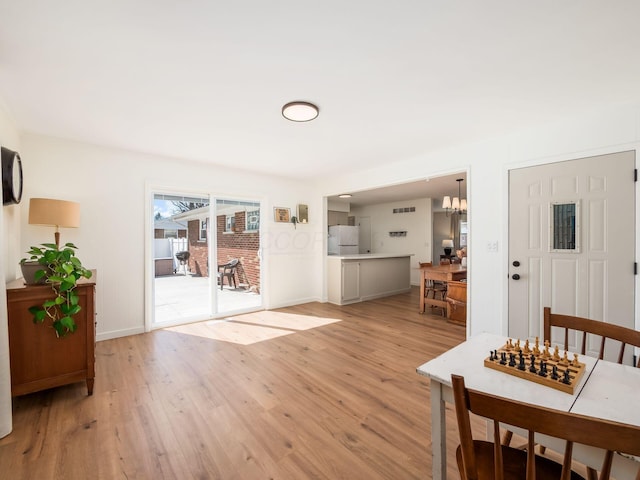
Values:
[(182, 297)]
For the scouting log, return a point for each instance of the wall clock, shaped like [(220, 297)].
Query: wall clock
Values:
[(11, 177)]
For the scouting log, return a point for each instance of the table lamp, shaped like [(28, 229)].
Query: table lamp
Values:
[(55, 213), (447, 244)]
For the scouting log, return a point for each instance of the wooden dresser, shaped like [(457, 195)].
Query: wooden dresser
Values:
[(40, 360)]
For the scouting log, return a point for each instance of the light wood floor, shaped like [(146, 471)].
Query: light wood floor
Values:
[(311, 391)]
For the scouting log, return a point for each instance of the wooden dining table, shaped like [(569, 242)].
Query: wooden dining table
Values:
[(441, 273)]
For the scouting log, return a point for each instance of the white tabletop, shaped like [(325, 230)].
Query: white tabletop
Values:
[(608, 392), (467, 359)]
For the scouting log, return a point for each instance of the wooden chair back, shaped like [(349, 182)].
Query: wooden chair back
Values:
[(575, 429), (606, 331)]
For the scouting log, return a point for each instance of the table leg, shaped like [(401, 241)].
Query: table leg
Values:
[(438, 432), (421, 293)]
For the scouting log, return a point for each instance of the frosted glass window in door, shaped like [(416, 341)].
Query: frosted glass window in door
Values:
[(564, 225)]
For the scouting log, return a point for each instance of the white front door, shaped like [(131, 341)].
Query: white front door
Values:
[(572, 242)]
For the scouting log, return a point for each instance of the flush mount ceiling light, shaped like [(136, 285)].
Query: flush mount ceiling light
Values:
[(300, 111), (345, 195)]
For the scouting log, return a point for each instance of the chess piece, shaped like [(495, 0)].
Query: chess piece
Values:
[(546, 353), (556, 353), (521, 365), (526, 350), (565, 359), (543, 369), (517, 344), (512, 360), (566, 379), (532, 366), (575, 362), (536, 347), (491, 357), (554, 373), (509, 345), (503, 358)]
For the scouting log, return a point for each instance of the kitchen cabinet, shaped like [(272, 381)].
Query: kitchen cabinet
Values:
[(356, 278), (350, 281), (38, 358)]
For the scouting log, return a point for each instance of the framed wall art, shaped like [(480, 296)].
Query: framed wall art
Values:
[(282, 214)]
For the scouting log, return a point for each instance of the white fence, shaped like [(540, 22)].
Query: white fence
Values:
[(164, 254)]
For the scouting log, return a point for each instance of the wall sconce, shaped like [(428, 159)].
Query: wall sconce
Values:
[(303, 213), (55, 213)]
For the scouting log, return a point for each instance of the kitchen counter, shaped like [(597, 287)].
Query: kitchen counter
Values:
[(356, 278), (364, 256)]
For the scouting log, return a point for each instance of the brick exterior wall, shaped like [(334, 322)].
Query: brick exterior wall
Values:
[(198, 250), (238, 244), (243, 246)]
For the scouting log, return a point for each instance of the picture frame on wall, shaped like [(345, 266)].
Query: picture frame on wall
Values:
[(282, 214)]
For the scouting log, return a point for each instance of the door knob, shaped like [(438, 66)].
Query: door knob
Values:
[(516, 263), (515, 276)]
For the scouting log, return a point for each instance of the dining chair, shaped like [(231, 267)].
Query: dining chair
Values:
[(606, 331), (435, 288), (483, 460)]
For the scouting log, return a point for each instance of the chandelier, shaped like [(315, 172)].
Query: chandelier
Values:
[(457, 205)]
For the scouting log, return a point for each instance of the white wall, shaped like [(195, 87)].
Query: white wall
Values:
[(417, 225), (110, 186), (488, 162), (9, 244)]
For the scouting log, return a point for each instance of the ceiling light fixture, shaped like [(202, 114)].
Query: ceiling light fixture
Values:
[(300, 111), (345, 195), (457, 205)]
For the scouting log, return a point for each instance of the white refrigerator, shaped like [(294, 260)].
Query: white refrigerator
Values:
[(343, 240)]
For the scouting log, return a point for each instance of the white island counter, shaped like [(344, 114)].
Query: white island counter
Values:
[(356, 278)]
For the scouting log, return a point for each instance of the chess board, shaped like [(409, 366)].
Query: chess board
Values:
[(539, 365)]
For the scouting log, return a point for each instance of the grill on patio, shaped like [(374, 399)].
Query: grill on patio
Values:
[(183, 258)]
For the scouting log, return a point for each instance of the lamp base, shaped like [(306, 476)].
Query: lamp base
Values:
[(447, 251)]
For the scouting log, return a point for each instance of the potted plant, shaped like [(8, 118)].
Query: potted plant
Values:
[(61, 269)]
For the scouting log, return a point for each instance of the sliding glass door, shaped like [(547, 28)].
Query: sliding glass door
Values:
[(205, 257)]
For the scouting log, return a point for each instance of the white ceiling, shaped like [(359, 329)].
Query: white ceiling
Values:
[(206, 80)]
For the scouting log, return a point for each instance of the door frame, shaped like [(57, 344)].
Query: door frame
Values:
[(152, 188), (635, 147)]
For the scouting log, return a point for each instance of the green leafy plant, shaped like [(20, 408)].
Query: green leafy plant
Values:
[(61, 269)]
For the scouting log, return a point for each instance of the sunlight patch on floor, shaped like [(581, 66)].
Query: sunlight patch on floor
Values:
[(230, 332), (289, 321), (252, 327)]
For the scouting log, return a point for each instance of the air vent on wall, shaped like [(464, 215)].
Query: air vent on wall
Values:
[(404, 210)]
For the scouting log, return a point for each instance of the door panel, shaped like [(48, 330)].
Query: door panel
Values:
[(589, 274)]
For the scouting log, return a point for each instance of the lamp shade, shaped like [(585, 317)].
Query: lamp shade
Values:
[(447, 243), (446, 202), (58, 213)]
